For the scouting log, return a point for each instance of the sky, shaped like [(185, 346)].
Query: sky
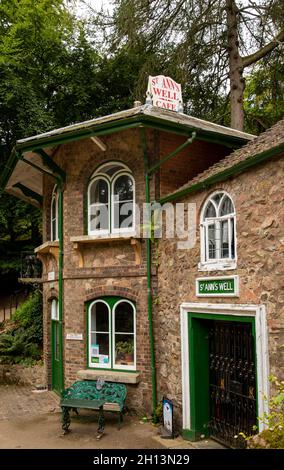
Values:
[(94, 4)]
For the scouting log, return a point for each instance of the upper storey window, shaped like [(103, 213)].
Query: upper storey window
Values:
[(218, 233), (111, 199), (54, 215)]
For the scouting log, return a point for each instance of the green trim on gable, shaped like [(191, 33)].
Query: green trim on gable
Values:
[(225, 174)]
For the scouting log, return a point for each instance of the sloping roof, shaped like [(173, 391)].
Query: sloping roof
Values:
[(267, 144), (147, 111), (31, 157)]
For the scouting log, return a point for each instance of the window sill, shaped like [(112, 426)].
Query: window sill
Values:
[(219, 266), (80, 242), (109, 376)]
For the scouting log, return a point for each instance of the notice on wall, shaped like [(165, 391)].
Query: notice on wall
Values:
[(75, 336), (164, 93), (51, 276)]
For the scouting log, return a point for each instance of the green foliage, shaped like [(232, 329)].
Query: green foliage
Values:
[(273, 436), (24, 340), (264, 93), (125, 347), (159, 411)]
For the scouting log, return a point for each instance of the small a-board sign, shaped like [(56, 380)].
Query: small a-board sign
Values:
[(168, 414), (165, 93)]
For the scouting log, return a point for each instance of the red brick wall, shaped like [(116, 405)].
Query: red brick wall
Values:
[(190, 162)]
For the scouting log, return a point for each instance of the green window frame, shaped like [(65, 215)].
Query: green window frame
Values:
[(111, 333)]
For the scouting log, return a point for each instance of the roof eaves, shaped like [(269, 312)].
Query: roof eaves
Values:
[(225, 174)]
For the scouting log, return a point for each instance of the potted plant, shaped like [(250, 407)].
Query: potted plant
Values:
[(125, 350)]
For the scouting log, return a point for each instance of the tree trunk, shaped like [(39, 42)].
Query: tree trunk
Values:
[(237, 82)]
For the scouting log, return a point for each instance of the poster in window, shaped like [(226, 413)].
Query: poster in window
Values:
[(103, 359), (95, 350)]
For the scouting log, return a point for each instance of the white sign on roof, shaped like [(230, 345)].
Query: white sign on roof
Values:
[(165, 93)]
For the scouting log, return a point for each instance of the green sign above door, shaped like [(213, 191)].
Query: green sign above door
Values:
[(217, 286)]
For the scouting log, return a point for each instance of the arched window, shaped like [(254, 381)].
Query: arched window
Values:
[(54, 310), (111, 203), (54, 215), (218, 233), (112, 334)]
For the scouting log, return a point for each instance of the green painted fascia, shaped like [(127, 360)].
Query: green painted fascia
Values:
[(100, 129), (112, 127), (225, 174), (183, 129), (128, 123)]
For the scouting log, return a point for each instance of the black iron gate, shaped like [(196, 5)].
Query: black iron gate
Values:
[(232, 382)]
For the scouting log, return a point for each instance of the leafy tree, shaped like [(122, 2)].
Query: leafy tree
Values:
[(207, 42), (264, 93), (48, 78), (23, 341)]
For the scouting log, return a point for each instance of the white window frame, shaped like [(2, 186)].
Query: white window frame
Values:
[(121, 366), (98, 231), (54, 217), (54, 310), (217, 264), (128, 229), (99, 174), (93, 365), (111, 311)]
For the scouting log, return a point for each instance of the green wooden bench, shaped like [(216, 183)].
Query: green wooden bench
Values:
[(90, 394)]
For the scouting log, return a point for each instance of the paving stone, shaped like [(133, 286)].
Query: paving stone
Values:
[(16, 401)]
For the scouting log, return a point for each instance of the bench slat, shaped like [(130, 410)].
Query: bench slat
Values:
[(90, 404)]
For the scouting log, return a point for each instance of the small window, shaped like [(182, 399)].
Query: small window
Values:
[(218, 233), (112, 339), (111, 200), (54, 215), (54, 310)]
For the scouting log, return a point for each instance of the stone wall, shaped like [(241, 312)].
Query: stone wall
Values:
[(23, 375), (258, 198)]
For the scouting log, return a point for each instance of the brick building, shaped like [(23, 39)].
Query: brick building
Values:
[(121, 307)]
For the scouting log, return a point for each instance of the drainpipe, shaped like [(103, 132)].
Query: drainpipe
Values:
[(60, 279), (149, 171), (149, 281)]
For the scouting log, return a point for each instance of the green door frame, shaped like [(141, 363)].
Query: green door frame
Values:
[(55, 356), (199, 369)]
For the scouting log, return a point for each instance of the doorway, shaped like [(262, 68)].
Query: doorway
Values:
[(222, 370)]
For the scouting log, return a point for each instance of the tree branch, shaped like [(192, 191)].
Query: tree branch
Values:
[(263, 51)]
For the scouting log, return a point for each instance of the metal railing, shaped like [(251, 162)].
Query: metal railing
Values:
[(31, 267)]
